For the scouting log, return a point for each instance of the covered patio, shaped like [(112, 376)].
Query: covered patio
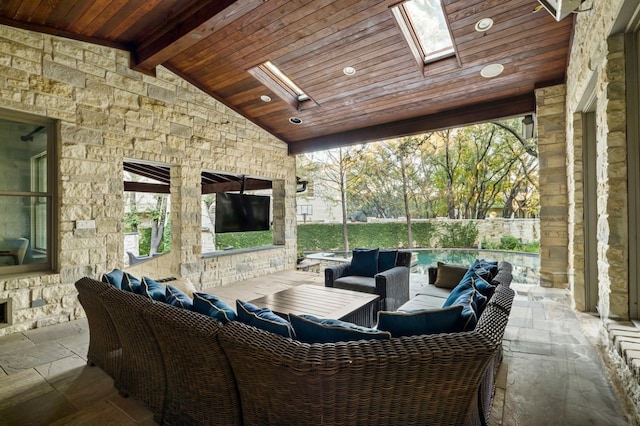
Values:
[(186, 86)]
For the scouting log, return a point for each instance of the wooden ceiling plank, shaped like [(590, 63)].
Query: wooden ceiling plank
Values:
[(95, 17), (26, 9), (270, 42), (9, 8)]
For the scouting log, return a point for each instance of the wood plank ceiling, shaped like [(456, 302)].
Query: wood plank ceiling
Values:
[(214, 44)]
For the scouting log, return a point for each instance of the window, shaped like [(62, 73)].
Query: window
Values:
[(147, 207), (425, 28), (231, 221), (27, 192)]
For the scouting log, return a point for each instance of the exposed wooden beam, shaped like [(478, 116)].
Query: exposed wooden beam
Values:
[(177, 36), (250, 184), (458, 117), (155, 188)]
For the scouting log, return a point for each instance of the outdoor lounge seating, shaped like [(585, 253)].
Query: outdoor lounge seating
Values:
[(381, 272), (191, 369)]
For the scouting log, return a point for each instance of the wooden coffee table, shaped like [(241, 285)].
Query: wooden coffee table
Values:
[(322, 302)]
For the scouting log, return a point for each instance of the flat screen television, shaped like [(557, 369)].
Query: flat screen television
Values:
[(241, 212)]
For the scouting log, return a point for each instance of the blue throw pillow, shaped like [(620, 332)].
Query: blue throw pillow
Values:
[(114, 278), (175, 297), (210, 305), (310, 329), (465, 285), (364, 262), (469, 301), (152, 289), (131, 283), (483, 286), (421, 321), (386, 259), (263, 318)]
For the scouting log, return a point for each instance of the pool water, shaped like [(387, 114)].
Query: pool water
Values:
[(526, 266)]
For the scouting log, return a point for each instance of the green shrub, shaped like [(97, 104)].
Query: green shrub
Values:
[(458, 234), (239, 240)]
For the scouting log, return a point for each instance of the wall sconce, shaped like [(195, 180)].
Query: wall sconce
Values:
[(528, 126)]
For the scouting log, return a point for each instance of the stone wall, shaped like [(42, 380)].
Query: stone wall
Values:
[(596, 76), (596, 71), (107, 113), (550, 112)]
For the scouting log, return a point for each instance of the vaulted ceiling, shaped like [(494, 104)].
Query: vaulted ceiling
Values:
[(216, 44)]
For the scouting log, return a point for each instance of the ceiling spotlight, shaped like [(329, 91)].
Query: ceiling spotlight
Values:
[(295, 120), (349, 70), (196, 36), (492, 70), (484, 24), (265, 98)]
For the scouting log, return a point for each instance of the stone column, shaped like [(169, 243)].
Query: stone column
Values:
[(611, 165), (186, 222), (552, 146)]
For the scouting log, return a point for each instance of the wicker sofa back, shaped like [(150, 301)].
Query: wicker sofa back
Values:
[(429, 379), (189, 369)]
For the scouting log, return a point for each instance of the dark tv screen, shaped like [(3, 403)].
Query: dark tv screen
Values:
[(241, 212)]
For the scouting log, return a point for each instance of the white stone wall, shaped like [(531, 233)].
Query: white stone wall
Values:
[(108, 112), (597, 65)]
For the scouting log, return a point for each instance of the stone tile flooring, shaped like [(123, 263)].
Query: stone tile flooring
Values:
[(552, 373)]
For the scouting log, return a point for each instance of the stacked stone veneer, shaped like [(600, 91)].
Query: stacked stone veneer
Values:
[(596, 80), (550, 112), (107, 113)]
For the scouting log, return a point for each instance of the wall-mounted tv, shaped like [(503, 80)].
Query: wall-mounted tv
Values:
[(241, 212)]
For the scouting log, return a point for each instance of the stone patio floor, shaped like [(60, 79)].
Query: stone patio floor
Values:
[(552, 373)]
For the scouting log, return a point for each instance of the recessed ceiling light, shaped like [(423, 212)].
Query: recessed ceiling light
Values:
[(349, 70), (196, 36), (295, 120), (484, 24), (265, 98), (492, 70)]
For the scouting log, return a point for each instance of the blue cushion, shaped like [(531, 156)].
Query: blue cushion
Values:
[(131, 283), (484, 268), (364, 262), (152, 289), (114, 278), (310, 329), (465, 285), (386, 259), (421, 321), (263, 318), (485, 288), (210, 305), (469, 301), (175, 297)]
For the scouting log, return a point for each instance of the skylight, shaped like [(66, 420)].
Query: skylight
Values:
[(285, 81), (425, 27), (283, 86)]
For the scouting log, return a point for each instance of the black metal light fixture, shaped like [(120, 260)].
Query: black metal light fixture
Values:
[(528, 126)]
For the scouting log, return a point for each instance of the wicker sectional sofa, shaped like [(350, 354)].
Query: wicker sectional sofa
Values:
[(190, 369)]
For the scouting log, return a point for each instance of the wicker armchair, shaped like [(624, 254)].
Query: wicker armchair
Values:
[(391, 285), (201, 389), (142, 372), (105, 349), (429, 379)]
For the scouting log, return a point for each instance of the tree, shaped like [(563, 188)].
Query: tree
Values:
[(159, 218), (336, 165)]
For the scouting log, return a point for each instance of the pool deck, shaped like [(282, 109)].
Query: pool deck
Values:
[(552, 373)]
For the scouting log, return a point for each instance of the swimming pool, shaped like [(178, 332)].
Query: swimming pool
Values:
[(526, 266)]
